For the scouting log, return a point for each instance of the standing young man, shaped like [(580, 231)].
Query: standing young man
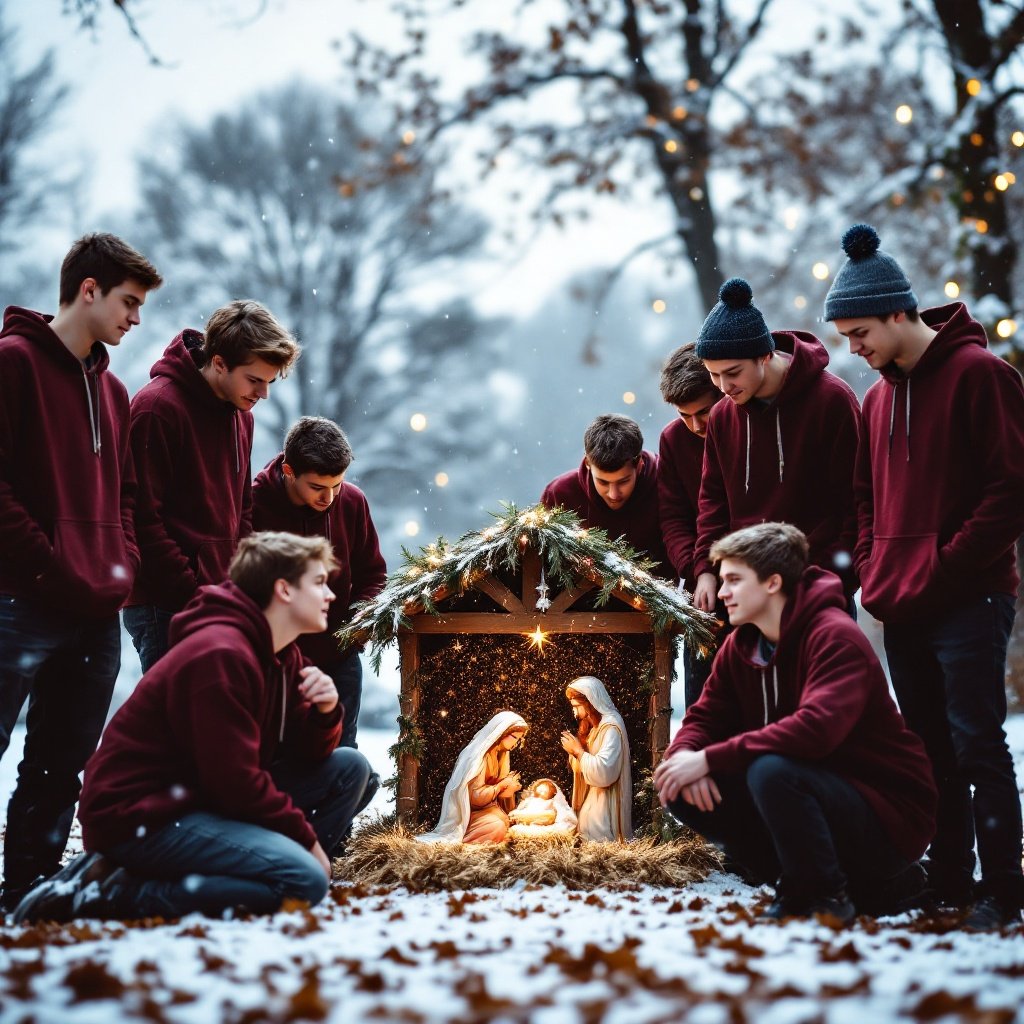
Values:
[(303, 491), (68, 551), (191, 436), (218, 785), (940, 500), (784, 445), (615, 488), (795, 759), (686, 385)]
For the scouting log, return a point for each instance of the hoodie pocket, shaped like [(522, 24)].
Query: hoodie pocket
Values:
[(903, 578), (213, 559), (94, 569)]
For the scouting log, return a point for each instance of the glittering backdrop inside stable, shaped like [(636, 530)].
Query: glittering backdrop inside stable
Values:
[(464, 680)]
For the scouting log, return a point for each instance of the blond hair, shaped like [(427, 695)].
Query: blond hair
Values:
[(245, 330), (264, 558)]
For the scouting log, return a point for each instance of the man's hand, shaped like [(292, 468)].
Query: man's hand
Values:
[(318, 688), (702, 794), (318, 852), (705, 592), (678, 771), (571, 744)]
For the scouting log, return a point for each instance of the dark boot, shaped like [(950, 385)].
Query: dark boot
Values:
[(790, 902), (54, 899), (991, 913)]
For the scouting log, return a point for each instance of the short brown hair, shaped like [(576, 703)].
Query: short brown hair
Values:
[(109, 261), (768, 548), (912, 315), (245, 330), (611, 441), (264, 558), (685, 378), (317, 445)]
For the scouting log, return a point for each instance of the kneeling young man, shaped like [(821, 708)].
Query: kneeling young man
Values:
[(795, 760), (218, 785)]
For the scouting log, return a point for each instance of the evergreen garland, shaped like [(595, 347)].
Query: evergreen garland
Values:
[(569, 552)]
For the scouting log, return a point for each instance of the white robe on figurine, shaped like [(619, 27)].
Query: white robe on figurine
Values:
[(602, 787)]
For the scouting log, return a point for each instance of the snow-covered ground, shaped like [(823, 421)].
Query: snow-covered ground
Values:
[(526, 954)]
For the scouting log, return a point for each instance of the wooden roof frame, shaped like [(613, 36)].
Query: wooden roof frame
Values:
[(522, 617)]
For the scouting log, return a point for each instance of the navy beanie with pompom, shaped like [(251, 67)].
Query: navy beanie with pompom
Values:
[(870, 282), (735, 328)]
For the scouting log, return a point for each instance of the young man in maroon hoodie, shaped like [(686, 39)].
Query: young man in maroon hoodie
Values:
[(68, 552), (191, 437), (615, 488), (686, 385), (303, 490), (795, 759), (218, 785), (940, 499), (784, 445)]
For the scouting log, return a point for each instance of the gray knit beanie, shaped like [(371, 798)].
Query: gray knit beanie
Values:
[(870, 282), (735, 328)]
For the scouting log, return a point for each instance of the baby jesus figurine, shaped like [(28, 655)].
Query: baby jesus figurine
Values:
[(543, 812)]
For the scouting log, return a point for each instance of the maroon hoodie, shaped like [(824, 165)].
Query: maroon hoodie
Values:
[(680, 460), (67, 486), (789, 461), (202, 727), (195, 496), (821, 697), (361, 571), (940, 478), (637, 521)]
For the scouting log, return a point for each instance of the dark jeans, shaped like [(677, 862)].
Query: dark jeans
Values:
[(696, 672), (949, 674), (798, 820), (67, 668), (148, 625), (207, 863), (347, 673)]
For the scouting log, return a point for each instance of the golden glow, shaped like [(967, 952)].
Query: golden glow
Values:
[(409, 137), (1006, 328), (977, 138), (679, 113), (800, 302), (537, 638), (981, 226), (441, 479), (628, 397), (1017, 138), (1001, 182), (1010, 177), (692, 85), (820, 271), (952, 290), (412, 528), (671, 145), (696, 193), (418, 421), (659, 306), (904, 113), (973, 87)]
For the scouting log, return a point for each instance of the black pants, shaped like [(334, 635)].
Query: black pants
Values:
[(796, 819)]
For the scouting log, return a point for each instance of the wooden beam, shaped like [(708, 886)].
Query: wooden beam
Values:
[(407, 801), (567, 598), (661, 698), (493, 587)]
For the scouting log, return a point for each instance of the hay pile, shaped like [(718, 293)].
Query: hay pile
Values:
[(386, 854)]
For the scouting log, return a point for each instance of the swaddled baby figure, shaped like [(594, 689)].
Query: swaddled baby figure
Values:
[(543, 811)]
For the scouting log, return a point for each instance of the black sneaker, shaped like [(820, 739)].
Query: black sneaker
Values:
[(12, 895), (990, 914), (837, 906), (53, 899)]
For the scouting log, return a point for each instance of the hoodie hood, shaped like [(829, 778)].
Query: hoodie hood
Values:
[(645, 487), (225, 604), (808, 362), (278, 508), (955, 329), (182, 362), (35, 328)]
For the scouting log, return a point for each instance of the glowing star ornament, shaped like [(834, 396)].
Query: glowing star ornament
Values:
[(537, 638)]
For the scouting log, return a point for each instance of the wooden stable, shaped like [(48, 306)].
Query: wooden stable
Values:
[(520, 616)]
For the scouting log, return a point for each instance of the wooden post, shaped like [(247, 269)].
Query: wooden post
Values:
[(661, 698), (408, 797)]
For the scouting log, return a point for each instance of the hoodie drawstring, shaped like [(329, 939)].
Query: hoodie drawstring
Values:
[(778, 446), (775, 689), (94, 415), (764, 695), (892, 419), (284, 706)]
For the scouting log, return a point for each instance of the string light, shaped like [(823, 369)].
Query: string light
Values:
[(800, 302), (628, 397), (1017, 138), (671, 145), (904, 113), (820, 271), (659, 306), (973, 87), (1001, 182), (418, 421), (412, 528), (1006, 328), (952, 290), (441, 479)]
